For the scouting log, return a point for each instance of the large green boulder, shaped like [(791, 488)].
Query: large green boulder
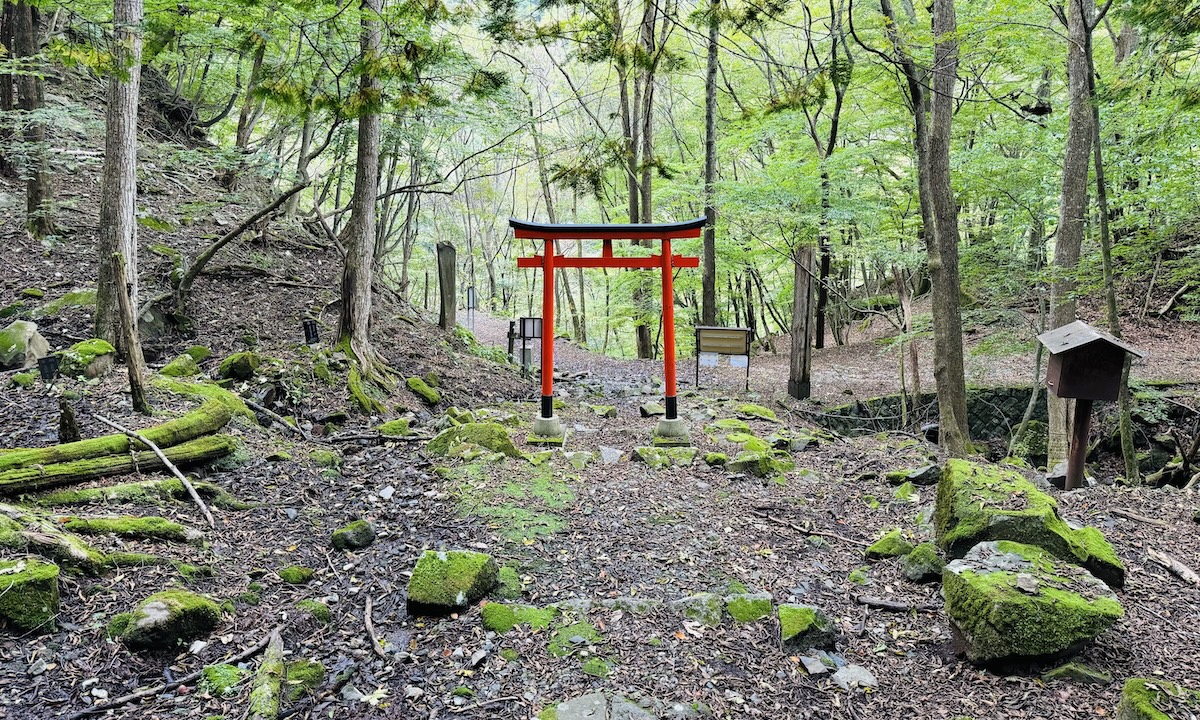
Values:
[(1009, 602), (492, 436), (447, 580), (89, 358), (21, 345), (183, 366), (28, 594), (240, 366), (977, 503), (1154, 699), (166, 619)]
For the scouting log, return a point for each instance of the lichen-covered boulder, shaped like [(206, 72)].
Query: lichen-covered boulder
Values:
[(923, 564), (447, 580), (21, 345), (28, 594), (423, 391), (760, 463), (240, 366), (492, 436), (166, 619), (978, 503), (1010, 602), (183, 366), (1153, 699), (890, 544), (89, 358), (664, 457), (353, 536), (804, 626)]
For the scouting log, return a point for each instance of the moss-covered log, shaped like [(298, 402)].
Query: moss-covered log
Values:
[(139, 528), (143, 492), (192, 452), (204, 420), (266, 695)]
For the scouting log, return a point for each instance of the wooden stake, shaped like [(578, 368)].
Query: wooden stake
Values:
[(134, 362), (68, 426), (1077, 454), (170, 466)]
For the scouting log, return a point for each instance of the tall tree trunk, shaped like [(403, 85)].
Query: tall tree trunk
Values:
[(354, 324), (39, 192), (8, 167), (708, 281), (117, 232), (948, 373), (800, 367), (1072, 209)]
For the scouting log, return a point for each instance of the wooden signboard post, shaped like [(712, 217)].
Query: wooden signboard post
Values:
[(1085, 364), (546, 425)]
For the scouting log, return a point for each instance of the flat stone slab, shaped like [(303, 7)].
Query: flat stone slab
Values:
[(1010, 602), (602, 706), (855, 677)]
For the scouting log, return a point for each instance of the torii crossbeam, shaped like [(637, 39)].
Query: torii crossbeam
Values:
[(547, 425)]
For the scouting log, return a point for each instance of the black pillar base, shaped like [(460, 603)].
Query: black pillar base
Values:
[(672, 408), (547, 406), (800, 389)]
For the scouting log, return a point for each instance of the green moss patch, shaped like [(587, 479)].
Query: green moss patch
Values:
[(502, 617), (24, 380), (748, 607), (316, 608), (29, 599), (395, 428), (706, 608), (716, 459), (422, 390), (509, 583), (132, 526), (1154, 699), (240, 366), (203, 391), (597, 667), (923, 564), (573, 637), (761, 463), (325, 458), (199, 353), (222, 680), (79, 358), (977, 503), (664, 457), (757, 411), (1077, 673), (443, 581), (85, 297), (295, 574), (302, 677), (182, 366)]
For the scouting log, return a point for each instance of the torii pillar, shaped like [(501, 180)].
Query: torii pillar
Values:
[(546, 425)]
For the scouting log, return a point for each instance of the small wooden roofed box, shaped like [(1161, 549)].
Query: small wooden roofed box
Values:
[(1085, 362)]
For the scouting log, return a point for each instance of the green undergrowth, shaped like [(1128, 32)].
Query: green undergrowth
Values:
[(518, 500)]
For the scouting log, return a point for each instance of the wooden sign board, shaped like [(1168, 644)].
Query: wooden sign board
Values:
[(722, 340)]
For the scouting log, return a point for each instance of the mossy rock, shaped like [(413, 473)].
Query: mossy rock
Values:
[(1009, 603), (508, 583), (295, 574), (12, 310), (317, 609), (907, 492), (716, 459), (492, 436), (890, 544), (664, 457), (757, 411), (302, 677), (728, 425), (1154, 699), (199, 353), (924, 475), (34, 293), (706, 608), (432, 380), (652, 409), (354, 536), (443, 581), (923, 564), (24, 380), (222, 680), (748, 607), (760, 463), (395, 428), (166, 619), (21, 345), (604, 411), (85, 297), (422, 389), (28, 594), (804, 626), (182, 366), (1077, 673), (138, 527), (90, 358), (570, 638), (502, 617), (580, 459), (977, 503), (240, 366), (325, 458)]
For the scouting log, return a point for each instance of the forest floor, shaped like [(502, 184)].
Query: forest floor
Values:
[(595, 536)]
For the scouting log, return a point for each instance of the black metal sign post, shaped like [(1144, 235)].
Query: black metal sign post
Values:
[(528, 328), (734, 342)]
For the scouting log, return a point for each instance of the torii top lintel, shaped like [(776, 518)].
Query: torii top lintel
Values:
[(664, 232)]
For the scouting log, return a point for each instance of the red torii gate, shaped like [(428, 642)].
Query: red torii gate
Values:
[(546, 424)]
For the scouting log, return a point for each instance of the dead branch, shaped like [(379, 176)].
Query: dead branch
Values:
[(894, 605), (279, 419), (485, 703), (169, 465), (370, 624), (1170, 303), (1140, 518), (1176, 568), (808, 531)]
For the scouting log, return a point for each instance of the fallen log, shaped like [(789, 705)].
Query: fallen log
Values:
[(204, 420), (266, 694), (192, 452), (25, 531)]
